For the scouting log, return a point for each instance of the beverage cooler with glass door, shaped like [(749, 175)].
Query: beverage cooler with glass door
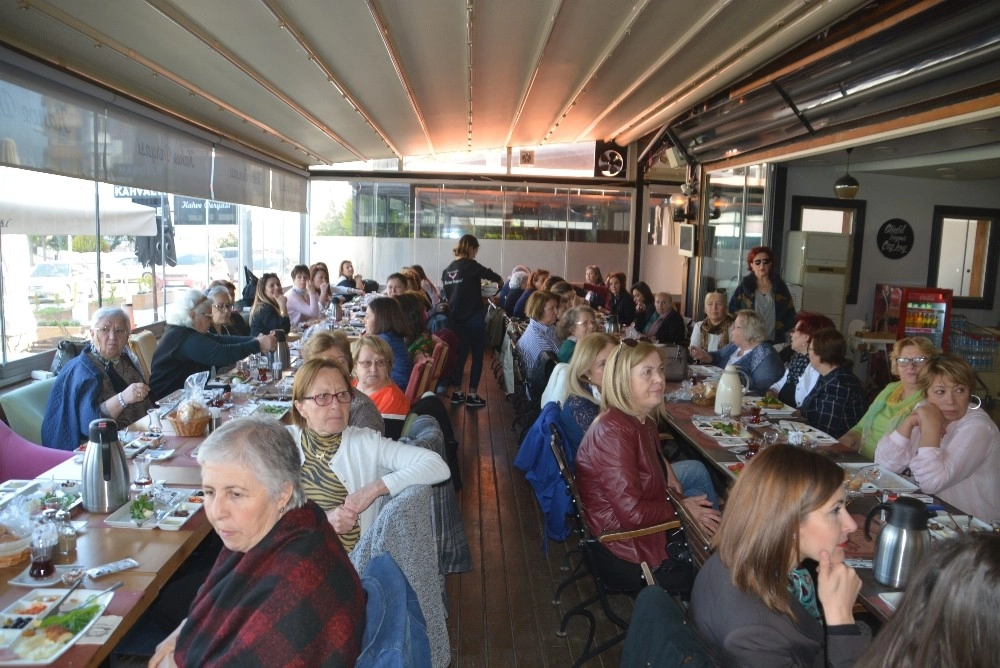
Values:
[(912, 311)]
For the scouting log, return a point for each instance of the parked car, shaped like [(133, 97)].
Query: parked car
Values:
[(126, 270), (195, 270), (232, 257), (61, 282)]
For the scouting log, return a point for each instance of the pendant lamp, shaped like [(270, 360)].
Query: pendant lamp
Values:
[(846, 187)]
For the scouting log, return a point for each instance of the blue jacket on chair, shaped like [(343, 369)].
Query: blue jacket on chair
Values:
[(542, 472), (395, 631)]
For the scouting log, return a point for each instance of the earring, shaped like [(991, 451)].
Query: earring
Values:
[(979, 401)]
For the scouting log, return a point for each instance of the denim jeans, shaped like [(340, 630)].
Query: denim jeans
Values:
[(472, 337), (695, 480)]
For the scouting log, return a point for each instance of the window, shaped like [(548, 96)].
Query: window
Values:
[(966, 257), (822, 214)]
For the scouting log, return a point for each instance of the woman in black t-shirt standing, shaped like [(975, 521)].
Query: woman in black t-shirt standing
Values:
[(462, 281)]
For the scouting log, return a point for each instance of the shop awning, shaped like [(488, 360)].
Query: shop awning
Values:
[(72, 213)]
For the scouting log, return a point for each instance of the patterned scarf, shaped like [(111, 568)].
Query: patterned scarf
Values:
[(800, 585), (319, 481), (721, 329)]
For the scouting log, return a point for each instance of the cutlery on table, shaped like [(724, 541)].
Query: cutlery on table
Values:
[(93, 597), (55, 608)]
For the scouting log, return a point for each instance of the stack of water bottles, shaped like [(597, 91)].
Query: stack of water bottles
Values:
[(978, 346)]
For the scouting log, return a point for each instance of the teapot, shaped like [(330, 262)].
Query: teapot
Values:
[(105, 470), (281, 353), (611, 324), (730, 390), (902, 541)]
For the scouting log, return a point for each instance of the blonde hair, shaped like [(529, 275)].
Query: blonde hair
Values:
[(322, 341), (306, 376), (616, 391), (586, 351), (951, 367), (921, 343), (377, 344)]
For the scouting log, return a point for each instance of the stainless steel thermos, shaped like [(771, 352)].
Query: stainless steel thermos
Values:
[(105, 469)]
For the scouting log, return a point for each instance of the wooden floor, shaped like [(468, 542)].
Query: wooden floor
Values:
[(501, 612)]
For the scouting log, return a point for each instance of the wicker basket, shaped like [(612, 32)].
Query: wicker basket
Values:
[(188, 428), (14, 552)]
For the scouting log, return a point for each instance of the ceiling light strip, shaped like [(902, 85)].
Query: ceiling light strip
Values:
[(295, 34), (390, 49), (470, 32), (539, 54), (184, 22), (623, 31)]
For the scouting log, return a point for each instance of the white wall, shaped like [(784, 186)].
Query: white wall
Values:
[(911, 199)]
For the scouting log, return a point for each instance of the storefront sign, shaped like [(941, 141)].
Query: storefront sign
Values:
[(191, 211), (895, 238)]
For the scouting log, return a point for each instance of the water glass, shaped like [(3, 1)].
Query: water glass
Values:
[(153, 424), (725, 410)]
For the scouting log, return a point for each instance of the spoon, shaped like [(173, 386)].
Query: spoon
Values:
[(93, 597)]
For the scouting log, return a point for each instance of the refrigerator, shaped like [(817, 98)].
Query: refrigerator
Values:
[(912, 311), (817, 271)]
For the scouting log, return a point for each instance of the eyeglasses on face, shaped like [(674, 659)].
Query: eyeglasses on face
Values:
[(367, 364), (326, 398), (117, 331), (204, 314), (223, 307), (910, 361), (762, 261)]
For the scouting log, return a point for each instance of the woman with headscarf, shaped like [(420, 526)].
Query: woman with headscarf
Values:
[(712, 333)]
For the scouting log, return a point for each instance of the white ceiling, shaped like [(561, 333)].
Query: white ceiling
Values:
[(319, 81)]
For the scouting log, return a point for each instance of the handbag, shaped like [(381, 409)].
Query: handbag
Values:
[(65, 352), (675, 361)]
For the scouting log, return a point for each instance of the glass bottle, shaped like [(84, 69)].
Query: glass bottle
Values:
[(67, 534)]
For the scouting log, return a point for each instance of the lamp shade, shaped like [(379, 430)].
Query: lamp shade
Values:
[(846, 187)]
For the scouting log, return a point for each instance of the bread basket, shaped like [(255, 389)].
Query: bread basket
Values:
[(195, 427), (13, 552)]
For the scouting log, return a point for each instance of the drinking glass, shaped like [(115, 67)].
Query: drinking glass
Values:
[(753, 447), (153, 424), (725, 410)]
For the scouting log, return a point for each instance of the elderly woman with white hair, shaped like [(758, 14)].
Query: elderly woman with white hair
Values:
[(104, 381), (187, 346), (749, 350)]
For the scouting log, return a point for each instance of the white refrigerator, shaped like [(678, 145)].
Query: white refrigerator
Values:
[(817, 270)]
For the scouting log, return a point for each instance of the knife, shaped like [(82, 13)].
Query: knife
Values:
[(55, 608)]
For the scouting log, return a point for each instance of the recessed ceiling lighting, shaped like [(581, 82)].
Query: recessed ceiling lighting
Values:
[(883, 149)]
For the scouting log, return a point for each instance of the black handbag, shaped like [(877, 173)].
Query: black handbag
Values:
[(65, 352)]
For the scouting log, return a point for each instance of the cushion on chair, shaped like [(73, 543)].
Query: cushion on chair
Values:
[(25, 408), (21, 459), (143, 344)]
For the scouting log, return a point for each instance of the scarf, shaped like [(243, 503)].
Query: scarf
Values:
[(800, 585), (721, 330), (897, 406), (319, 481)]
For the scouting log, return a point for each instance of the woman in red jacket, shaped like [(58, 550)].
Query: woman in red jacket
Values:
[(621, 478)]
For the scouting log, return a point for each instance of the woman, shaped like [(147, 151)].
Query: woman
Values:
[(342, 465), (622, 479), (567, 296), (951, 450), (539, 336), (753, 599), (187, 346), (463, 288), (427, 285), (897, 399), (384, 318), (536, 281), (303, 300), (349, 284), (396, 284), (414, 307), (372, 361), (749, 350), (512, 290), (319, 282), (619, 303), (668, 325), (583, 380), (762, 290), (597, 292), (712, 333), (948, 616), (574, 324), (336, 347), (643, 298), (222, 313), (234, 322), (103, 381), (837, 401), (270, 307), (800, 377), (255, 501)]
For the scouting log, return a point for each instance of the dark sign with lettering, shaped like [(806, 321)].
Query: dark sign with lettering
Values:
[(895, 238), (191, 211)]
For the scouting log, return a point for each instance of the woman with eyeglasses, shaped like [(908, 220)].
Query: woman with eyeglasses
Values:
[(574, 324), (187, 346), (222, 313), (762, 290), (836, 401), (950, 446), (334, 346), (103, 381), (897, 399), (384, 319), (346, 469), (372, 361), (800, 377), (748, 350), (270, 307)]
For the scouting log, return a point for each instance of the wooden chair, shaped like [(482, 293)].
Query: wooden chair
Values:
[(143, 344), (418, 378), (588, 543), (438, 357), (698, 542)]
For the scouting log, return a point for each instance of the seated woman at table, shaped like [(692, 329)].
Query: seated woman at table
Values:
[(568, 298), (837, 401), (426, 285), (187, 346), (336, 347), (712, 333), (385, 319), (754, 600), (512, 289), (948, 616), (800, 377), (272, 533), (749, 350), (539, 336), (349, 284), (573, 325), (667, 325), (319, 281), (536, 281), (619, 303), (951, 448), (621, 477), (414, 306), (342, 465), (223, 319), (103, 381), (645, 315), (304, 299), (897, 399), (372, 361), (270, 307), (236, 324)]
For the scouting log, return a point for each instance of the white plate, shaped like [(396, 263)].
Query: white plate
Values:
[(817, 435), (704, 424), (11, 641), (160, 455), (122, 519), (946, 528), (785, 409), (275, 409), (704, 370), (888, 481), (22, 579), (892, 599)]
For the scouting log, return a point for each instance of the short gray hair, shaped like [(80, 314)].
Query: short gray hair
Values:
[(262, 446), (753, 325), (218, 290), (111, 312), (566, 324), (517, 279), (179, 312)]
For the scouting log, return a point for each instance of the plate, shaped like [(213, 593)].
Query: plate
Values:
[(22, 579), (817, 435), (18, 649), (122, 519), (275, 409), (160, 455), (892, 599), (785, 409), (59, 494), (736, 468), (943, 527), (888, 480), (710, 427)]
